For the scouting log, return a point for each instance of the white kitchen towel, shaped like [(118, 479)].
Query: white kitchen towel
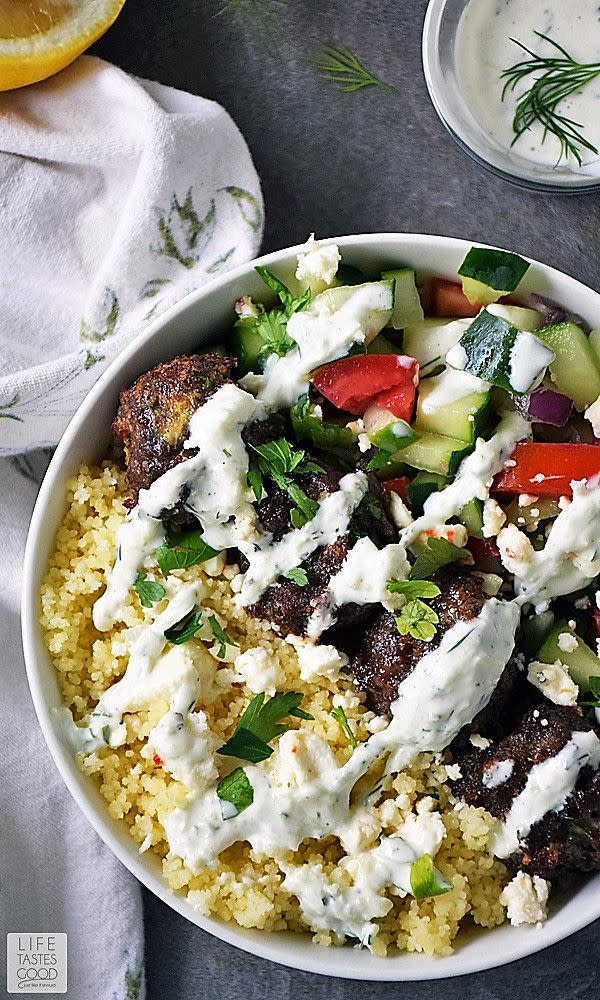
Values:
[(117, 197)]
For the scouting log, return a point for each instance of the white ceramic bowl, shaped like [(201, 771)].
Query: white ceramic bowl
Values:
[(202, 316)]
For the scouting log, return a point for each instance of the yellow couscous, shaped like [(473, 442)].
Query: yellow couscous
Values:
[(244, 887)]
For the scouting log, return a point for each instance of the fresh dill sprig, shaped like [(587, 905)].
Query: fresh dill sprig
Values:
[(259, 17), (560, 76), (339, 66)]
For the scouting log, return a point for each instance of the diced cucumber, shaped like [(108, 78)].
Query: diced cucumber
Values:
[(575, 370), (422, 486), (471, 515), (430, 341), (381, 344), (441, 409), (496, 351), (534, 630), (369, 305), (329, 437), (386, 431), (520, 316), (595, 344), (582, 663), (349, 275), (489, 274), (246, 344), (407, 301), (436, 453)]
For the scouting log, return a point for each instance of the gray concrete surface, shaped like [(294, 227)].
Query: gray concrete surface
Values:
[(337, 163)]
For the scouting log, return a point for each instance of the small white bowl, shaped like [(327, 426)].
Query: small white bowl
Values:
[(439, 66), (202, 316)]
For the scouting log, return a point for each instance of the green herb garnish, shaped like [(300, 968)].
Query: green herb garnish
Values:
[(185, 629), (417, 619), (297, 576), (340, 716), (279, 461), (182, 550), (339, 66), (413, 589), (260, 724), (222, 638), (148, 591), (594, 683), (556, 77), (236, 788), (438, 552), (425, 880), (271, 325), (106, 734)]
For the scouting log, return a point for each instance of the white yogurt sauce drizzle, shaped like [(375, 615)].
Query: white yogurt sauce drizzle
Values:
[(548, 786), (484, 49)]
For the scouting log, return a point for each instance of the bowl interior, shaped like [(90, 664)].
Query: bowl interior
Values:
[(201, 318)]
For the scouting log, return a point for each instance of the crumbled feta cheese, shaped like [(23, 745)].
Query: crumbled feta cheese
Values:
[(258, 670), (554, 681), (401, 516), (455, 533), (567, 642), (564, 502), (582, 603), (317, 412), (593, 415), (377, 724), (453, 771), (317, 264), (525, 899), (516, 551), (493, 518), (245, 306), (364, 442), (481, 742), (317, 661), (526, 500)]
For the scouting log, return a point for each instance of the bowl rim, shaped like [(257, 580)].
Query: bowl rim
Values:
[(260, 943), (542, 180)]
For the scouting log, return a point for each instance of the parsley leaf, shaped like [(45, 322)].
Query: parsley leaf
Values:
[(260, 724), (222, 638), (272, 328), (183, 550), (237, 790), (418, 620), (185, 629), (340, 716), (425, 880), (255, 481), (298, 576), (413, 588), (148, 591), (278, 461), (290, 303), (438, 552), (595, 691)]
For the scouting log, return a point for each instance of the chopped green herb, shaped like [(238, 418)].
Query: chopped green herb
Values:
[(271, 327), (418, 620), (183, 550), (236, 788), (425, 880), (260, 724), (340, 716), (297, 576), (414, 588), (594, 683), (106, 734), (148, 591), (438, 552), (379, 460), (222, 638), (290, 302), (278, 460), (255, 482), (184, 630)]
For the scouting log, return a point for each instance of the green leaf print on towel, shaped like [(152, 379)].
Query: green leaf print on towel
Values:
[(247, 204), (111, 318), (183, 234), (7, 406), (133, 983)]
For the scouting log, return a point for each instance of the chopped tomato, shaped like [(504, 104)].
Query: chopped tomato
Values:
[(157, 760), (448, 299), (399, 486), (354, 383), (547, 468), (596, 617)]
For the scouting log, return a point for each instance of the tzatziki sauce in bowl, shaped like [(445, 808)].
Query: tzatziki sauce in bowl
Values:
[(471, 51)]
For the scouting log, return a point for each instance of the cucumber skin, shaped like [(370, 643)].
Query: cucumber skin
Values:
[(582, 663), (422, 486), (471, 515), (436, 453), (452, 420), (246, 344), (407, 301), (496, 269), (330, 438), (575, 370)]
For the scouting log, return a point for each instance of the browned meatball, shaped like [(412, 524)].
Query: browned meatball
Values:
[(154, 413), (289, 606), (386, 658), (566, 840)]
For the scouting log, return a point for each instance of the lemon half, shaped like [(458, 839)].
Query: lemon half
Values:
[(41, 37)]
